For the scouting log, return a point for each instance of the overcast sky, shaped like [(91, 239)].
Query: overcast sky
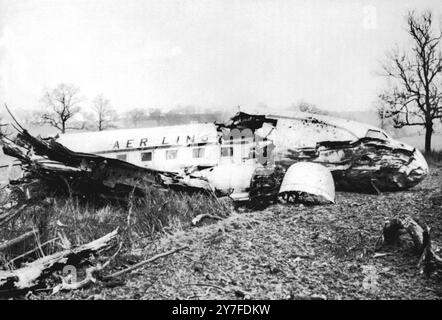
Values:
[(216, 53)]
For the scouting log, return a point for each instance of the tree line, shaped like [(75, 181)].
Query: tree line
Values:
[(65, 109)]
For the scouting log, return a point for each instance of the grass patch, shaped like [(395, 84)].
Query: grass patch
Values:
[(434, 157), (81, 221)]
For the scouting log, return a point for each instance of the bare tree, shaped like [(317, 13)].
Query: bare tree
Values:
[(135, 116), (304, 106), (386, 123), (415, 78), (380, 112), (62, 104), (104, 114), (155, 113)]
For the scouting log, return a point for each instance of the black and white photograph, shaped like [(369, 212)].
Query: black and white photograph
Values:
[(249, 151)]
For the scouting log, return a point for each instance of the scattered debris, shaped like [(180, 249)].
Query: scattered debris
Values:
[(8, 215), (420, 234), (359, 156), (285, 169), (34, 273), (67, 283), (39, 247), (201, 217), (61, 169), (380, 254), (13, 246), (144, 262)]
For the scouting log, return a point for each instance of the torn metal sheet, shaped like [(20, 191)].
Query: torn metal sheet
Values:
[(87, 174), (231, 179), (265, 184), (246, 158), (31, 275), (359, 156)]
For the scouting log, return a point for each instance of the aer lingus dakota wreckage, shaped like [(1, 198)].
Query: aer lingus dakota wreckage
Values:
[(254, 156)]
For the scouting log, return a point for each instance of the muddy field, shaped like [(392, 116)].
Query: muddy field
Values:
[(289, 252)]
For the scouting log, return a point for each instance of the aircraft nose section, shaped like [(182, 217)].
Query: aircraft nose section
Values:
[(421, 163), (417, 169)]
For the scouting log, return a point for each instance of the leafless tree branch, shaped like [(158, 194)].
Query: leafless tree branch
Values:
[(104, 114), (63, 104), (414, 97)]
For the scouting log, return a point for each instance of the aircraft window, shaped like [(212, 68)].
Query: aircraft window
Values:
[(146, 156), (227, 152), (376, 134), (122, 157), (171, 154), (198, 152)]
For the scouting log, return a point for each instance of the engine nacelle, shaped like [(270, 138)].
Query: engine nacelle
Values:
[(309, 182)]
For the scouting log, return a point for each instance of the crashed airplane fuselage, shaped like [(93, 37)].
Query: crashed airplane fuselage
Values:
[(360, 157)]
